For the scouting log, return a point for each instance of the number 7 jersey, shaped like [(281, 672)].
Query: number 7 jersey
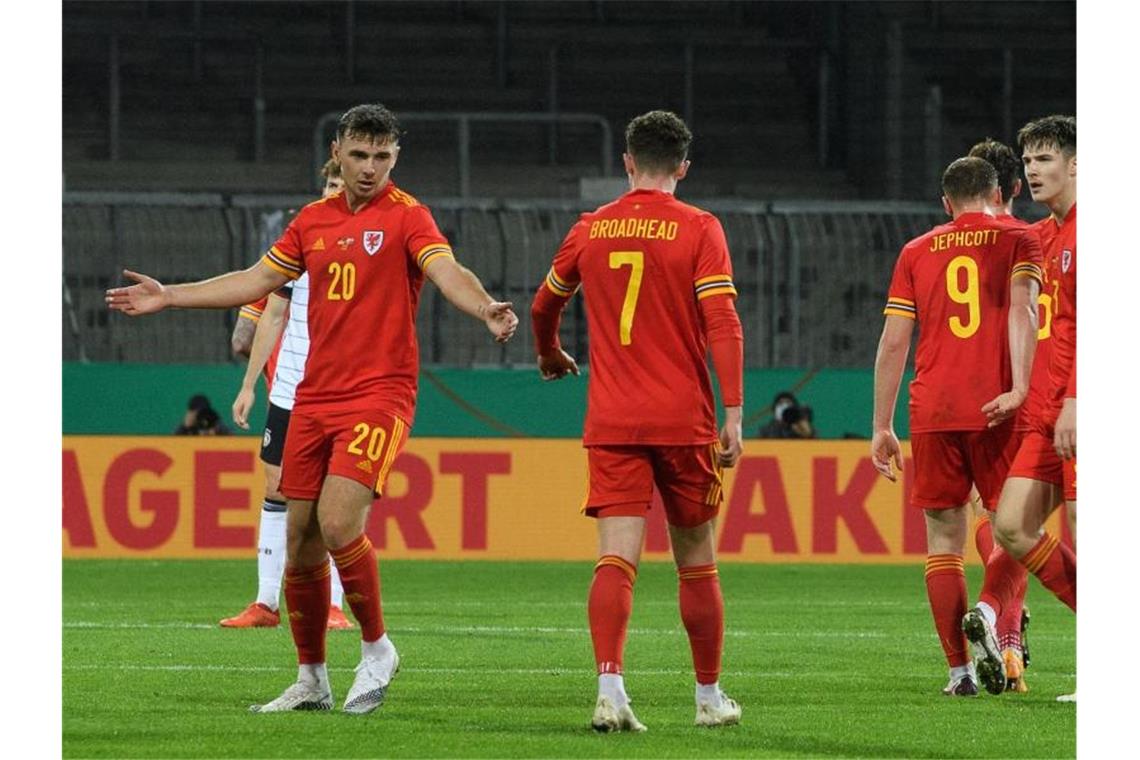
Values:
[(955, 281), (644, 262)]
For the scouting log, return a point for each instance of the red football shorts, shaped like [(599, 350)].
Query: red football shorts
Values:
[(1038, 460), (358, 445), (621, 480), (946, 464)]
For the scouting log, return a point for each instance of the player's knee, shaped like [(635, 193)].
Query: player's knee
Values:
[(1006, 530)]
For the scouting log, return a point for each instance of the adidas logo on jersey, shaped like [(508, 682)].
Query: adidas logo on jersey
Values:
[(364, 465), (319, 245)]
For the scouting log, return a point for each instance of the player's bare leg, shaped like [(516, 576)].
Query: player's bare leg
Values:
[(343, 514), (307, 592), (946, 531), (702, 612), (1019, 526), (610, 604)]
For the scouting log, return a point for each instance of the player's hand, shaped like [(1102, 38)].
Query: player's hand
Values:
[(242, 404), (731, 441), (1002, 407), (1065, 430), (146, 297), (500, 320), (886, 454), (556, 366)]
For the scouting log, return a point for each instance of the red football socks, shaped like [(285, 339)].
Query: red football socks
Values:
[(360, 576), (610, 605), (308, 592), (1055, 566), (1003, 586), (984, 537), (946, 590), (702, 612)]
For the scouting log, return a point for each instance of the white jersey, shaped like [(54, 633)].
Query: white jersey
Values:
[(294, 347)]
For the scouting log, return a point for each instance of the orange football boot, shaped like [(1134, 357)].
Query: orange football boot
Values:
[(256, 615), (1014, 672), (337, 620)]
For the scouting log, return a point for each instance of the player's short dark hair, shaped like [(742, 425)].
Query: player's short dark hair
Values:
[(330, 169), (969, 177), (1003, 159), (1054, 131), (370, 121), (658, 141)]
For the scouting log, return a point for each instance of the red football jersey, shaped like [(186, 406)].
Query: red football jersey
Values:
[(955, 281), (365, 274), (253, 312), (1035, 403), (1062, 380), (644, 261)]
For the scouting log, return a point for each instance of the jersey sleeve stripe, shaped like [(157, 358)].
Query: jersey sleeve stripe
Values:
[(292, 271), (431, 251), (899, 312), (713, 278), (899, 301), (559, 286), (250, 313), (1026, 269), (434, 256), (716, 291)]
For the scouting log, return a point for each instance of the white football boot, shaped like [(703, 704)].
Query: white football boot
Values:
[(373, 675), (302, 695), (612, 717), (721, 711)]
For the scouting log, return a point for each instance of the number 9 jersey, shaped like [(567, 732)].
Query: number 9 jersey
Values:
[(955, 280), (644, 263)]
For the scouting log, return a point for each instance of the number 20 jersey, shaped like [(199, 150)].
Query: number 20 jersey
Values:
[(643, 262), (365, 274), (955, 281)]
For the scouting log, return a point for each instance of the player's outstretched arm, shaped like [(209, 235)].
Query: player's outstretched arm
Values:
[(890, 361), (269, 329), (1022, 346), (148, 295), (462, 288)]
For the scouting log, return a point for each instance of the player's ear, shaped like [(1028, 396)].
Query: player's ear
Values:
[(630, 166), (1073, 166), (946, 206), (682, 170), (1016, 191), (395, 154), (334, 151)]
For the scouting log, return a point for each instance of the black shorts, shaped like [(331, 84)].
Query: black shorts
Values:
[(273, 440)]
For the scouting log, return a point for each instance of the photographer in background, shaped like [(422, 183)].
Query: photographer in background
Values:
[(201, 419), (789, 419)]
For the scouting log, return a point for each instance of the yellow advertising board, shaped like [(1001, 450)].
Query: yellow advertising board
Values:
[(481, 498)]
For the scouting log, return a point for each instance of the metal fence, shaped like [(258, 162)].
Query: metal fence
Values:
[(812, 277)]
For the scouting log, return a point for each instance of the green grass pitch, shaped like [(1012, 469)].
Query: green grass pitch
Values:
[(827, 661)]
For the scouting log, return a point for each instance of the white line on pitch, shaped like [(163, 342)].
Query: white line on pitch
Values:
[(530, 630)]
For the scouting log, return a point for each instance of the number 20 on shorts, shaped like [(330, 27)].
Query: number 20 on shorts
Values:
[(375, 437)]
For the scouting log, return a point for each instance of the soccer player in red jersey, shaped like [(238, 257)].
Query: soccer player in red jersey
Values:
[(367, 251), (1045, 465), (659, 296), (1015, 617), (972, 286), (262, 350)]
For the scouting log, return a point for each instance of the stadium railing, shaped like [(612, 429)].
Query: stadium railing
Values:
[(812, 276)]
